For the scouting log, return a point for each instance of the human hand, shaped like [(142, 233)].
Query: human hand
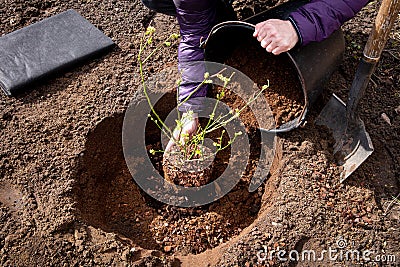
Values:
[(183, 133), (276, 35)]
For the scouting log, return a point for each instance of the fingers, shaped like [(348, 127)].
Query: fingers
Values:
[(189, 129), (184, 137), (261, 30), (183, 133), (274, 48), (171, 143), (266, 43), (277, 50), (267, 36), (276, 36)]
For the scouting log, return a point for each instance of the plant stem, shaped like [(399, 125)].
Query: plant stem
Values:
[(169, 134), (237, 113)]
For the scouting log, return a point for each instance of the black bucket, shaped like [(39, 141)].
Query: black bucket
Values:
[(314, 63)]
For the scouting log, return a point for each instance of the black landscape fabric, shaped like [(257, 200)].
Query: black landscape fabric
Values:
[(51, 45)]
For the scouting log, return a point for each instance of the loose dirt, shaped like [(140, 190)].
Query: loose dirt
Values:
[(284, 94), (195, 171), (107, 197), (67, 198)]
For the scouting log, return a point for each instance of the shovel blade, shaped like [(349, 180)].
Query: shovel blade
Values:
[(334, 117)]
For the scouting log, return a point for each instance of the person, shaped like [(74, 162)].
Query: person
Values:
[(312, 22)]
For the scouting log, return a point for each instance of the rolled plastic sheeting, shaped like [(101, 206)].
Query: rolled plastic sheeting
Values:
[(52, 45)]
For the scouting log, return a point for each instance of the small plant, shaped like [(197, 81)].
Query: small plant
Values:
[(190, 148)]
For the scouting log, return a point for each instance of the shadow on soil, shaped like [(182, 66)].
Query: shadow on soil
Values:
[(105, 193), (107, 197)]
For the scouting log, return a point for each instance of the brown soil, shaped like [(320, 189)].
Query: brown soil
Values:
[(67, 198), (107, 198), (195, 171), (184, 231), (285, 94)]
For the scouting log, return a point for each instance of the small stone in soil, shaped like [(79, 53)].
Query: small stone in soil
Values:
[(386, 118), (168, 249)]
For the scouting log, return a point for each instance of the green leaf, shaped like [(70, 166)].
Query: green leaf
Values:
[(174, 36), (150, 30), (238, 133)]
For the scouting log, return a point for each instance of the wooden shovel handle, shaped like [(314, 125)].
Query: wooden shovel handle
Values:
[(387, 15)]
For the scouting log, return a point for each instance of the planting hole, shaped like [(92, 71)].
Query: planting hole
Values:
[(108, 198)]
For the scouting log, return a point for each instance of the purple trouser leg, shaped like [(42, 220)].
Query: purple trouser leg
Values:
[(195, 18)]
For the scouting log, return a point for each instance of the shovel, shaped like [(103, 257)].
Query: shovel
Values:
[(353, 143)]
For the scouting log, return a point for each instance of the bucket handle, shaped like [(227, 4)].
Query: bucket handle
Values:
[(223, 24)]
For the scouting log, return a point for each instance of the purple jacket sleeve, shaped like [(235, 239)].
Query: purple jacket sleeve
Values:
[(195, 19), (318, 19)]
